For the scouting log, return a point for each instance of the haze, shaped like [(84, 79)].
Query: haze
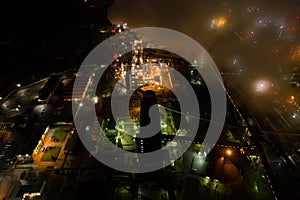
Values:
[(256, 37)]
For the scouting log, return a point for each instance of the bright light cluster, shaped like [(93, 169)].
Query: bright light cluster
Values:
[(261, 86), (218, 23)]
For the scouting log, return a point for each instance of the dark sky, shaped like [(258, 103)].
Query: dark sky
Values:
[(35, 35), (258, 36)]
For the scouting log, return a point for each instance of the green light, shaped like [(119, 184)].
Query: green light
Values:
[(255, 187)]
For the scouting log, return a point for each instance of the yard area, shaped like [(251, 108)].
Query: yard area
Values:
[(59, 135), (51, 154)]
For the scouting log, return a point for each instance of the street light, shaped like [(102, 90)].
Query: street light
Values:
[(262, 86), (291, 99), (228, 152)]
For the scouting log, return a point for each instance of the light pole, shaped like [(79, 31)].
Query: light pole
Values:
[(228, 153)]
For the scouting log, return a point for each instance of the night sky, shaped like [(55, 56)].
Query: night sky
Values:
[(34, 34), (258, 37)]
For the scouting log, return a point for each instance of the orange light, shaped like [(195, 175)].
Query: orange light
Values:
[(228, 152), (221, 22), (292, 99), (218, 23)]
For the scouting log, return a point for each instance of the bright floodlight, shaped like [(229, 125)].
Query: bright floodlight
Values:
[(261, 86), (218, 23), (95, 100), (228, 152)]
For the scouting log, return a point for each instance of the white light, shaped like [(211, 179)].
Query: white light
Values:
[(80, 104), (18, 85), (95, 100), (234, 61), (261, 86)]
